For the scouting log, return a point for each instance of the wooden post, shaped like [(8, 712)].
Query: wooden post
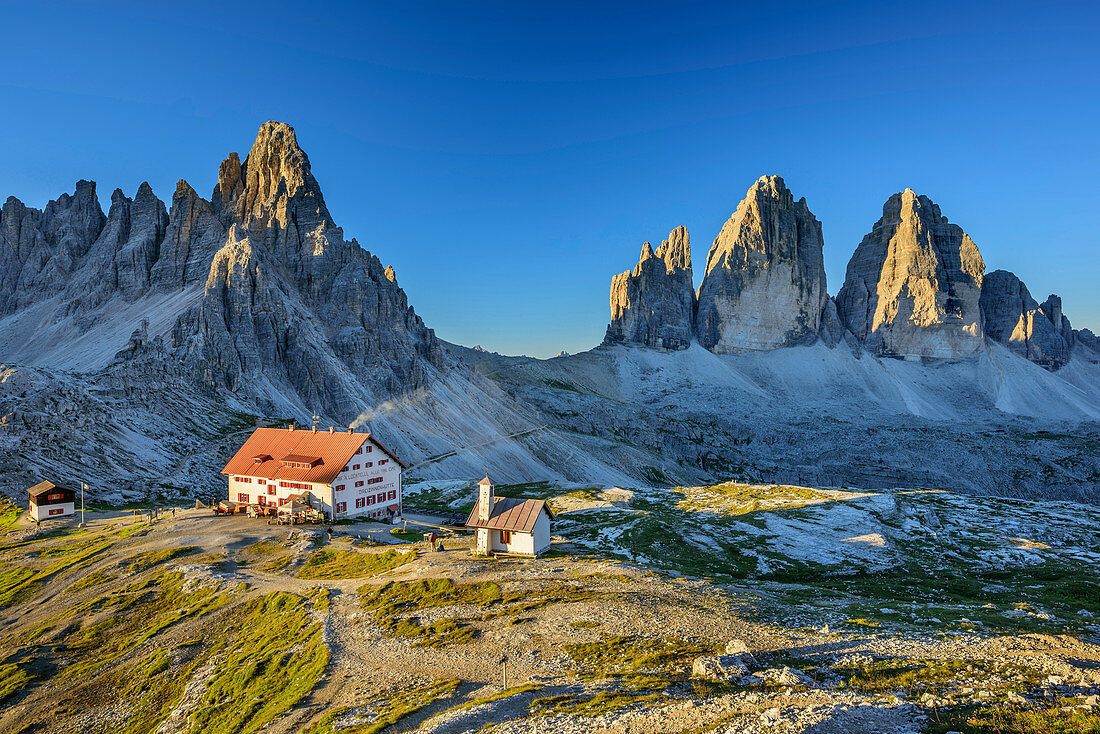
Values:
[(504, 663)]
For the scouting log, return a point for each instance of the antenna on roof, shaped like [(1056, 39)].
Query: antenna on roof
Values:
[(316, 421)]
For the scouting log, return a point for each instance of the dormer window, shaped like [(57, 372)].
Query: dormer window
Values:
[(298, 461), (261, 458)]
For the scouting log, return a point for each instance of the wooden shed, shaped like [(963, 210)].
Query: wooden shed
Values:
[(49, 501)]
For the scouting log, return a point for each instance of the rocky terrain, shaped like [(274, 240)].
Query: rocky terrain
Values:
[(775, 608), (138, 347)]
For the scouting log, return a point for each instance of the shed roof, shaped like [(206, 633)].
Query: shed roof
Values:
[(264, 453), (46, 487), (515, 515)]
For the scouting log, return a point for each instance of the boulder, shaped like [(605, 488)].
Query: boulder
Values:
[(719, 667), (913, 284), (764, 285), (654, 303)]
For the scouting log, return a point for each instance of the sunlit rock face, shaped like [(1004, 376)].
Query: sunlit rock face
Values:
[(764, 285), (1015, 319), (654, 303), (913, 285)]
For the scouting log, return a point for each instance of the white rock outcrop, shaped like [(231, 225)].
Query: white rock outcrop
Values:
[(764, 285), (913, 284)]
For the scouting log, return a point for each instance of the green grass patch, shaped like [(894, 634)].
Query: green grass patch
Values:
[(408, 536), (581, 624), (340, 564), (914, 677), (498, 696), (273, 659), (1041, 719), (637, 661), (385, 710), (585, 705), (114, 625), (92, 579), (13, 678), (393, 603), (9, 514), (148, 559)]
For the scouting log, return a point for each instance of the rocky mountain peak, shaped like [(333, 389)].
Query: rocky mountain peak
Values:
[(274, 184), (913, 284), (676, 250), (764, 285), (654, 303)]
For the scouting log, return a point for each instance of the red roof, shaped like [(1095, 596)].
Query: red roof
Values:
[(264, 453), (511, 514)]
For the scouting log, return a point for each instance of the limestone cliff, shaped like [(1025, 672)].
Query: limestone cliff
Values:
[(654, 303), (913, 284), (1013, 318), (764, 285)]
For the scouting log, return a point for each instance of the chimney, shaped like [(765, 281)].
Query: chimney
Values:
[(314, 428), (290, 427), (485, 499), (349, 429), (332, 429)]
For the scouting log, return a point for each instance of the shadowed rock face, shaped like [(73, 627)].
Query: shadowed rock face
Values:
[(765, 280), (1015, 319), (654, 303), (913, 284), (40, 249), (270, 301)]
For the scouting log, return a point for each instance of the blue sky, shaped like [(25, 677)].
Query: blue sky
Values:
[(508, 158)]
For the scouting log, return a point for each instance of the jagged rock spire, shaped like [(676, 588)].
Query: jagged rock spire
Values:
[(764, 285), (653, 304), (913, 284)]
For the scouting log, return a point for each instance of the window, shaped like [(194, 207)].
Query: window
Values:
[(341, 506), (295, 485), (359, 484), (55, 496), (242, 497), (359, 450), (56, 511), (383, 462), (360, 502), (356, 467), (369, 449), (505, 537), (271, 489), (369, 464), (263, 501), (339, 488), (282, 501), (244, 480), (374, 480), (346, 467), (393, 494)]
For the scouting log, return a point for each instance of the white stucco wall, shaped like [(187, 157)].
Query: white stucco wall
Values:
[(530, 544), (42, 512), (377, 495)]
